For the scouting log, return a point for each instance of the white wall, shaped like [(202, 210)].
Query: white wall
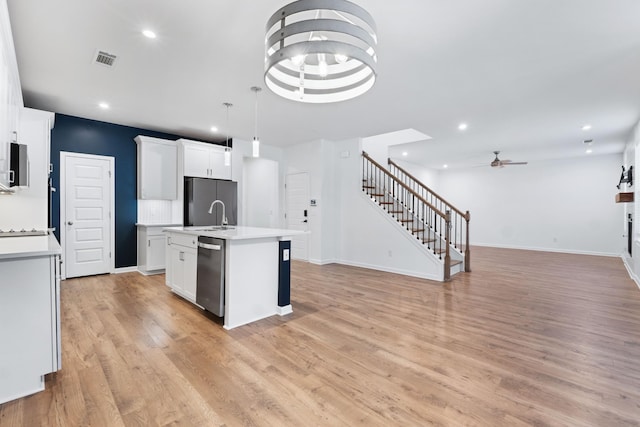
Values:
[(632, 158), (260, 198), (27, 208), (318, 159), (368, 236), (242, 150), (429, 177), (565, 205)]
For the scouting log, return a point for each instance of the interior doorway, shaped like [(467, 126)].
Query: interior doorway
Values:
[(87, 222), (297, 212)]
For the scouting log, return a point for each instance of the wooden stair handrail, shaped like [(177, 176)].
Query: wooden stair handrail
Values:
[(403, 185), (391, 162)]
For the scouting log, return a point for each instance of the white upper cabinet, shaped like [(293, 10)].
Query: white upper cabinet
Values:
[(157, 168), (204, 160), (10, 93)]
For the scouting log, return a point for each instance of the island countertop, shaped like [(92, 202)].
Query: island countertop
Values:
[(234, 232)]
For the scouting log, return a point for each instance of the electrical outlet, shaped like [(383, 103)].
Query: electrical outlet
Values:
[(285, 255)]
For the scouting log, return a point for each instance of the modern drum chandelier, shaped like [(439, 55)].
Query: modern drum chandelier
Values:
[(320, 51)]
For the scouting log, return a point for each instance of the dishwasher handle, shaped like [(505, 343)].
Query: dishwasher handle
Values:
[(209, 246)]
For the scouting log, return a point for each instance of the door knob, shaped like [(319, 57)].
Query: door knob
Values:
[(70, 222)]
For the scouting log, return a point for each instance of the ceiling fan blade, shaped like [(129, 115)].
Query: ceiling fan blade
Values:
[(515, 163)]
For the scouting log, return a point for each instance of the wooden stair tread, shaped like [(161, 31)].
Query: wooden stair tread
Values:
[(417, 230), (455, 262), (386, 203), (368, 186), (395, 212), (406, 220), (428, 240), (376, 194)]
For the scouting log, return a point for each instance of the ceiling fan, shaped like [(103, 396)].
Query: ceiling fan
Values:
[(497, 163)]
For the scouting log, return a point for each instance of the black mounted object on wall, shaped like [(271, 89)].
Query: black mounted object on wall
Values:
[(626, 177), (18, 165)]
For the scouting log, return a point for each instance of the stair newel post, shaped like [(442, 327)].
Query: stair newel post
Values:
[(467, 250), (447, 239)]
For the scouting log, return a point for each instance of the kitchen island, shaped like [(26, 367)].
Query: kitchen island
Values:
[(256, 269), (29, 314)]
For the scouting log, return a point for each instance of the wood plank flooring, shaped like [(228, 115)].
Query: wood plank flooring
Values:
[(526, 339)]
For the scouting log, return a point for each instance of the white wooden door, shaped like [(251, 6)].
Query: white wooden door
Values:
[(297, 211), (86, 214)]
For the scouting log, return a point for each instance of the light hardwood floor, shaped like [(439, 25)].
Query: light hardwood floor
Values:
[(527, 338)]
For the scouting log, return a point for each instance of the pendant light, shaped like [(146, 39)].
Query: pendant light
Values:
[(256, 141), (227, 150), (320, 51)]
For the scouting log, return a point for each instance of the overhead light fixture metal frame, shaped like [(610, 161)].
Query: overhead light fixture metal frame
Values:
[(352, 36)]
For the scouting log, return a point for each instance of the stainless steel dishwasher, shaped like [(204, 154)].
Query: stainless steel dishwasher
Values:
[(210, 275)]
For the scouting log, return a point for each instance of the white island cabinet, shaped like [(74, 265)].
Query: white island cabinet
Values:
[(256, 269), (181, 261), (29, 314)]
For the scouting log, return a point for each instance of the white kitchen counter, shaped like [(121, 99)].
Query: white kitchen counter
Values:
[(29, 246), (256, 265), (235, 232), (169, 224)]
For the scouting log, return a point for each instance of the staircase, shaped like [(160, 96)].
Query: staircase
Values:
[(442, 229)]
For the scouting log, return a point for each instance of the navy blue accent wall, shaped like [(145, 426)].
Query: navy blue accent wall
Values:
[(78, 135), (284, 274)]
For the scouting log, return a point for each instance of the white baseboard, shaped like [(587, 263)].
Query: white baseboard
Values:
[(324, 261), (125, 270), (417, 274), (150, 273), (634, 277), (283, 311), (534, 248)]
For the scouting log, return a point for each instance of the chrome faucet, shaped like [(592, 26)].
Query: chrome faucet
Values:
[(224, 221)]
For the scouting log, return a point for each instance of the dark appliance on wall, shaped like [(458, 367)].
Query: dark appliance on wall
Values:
[(629, 233), (199, 193), (18, 165)]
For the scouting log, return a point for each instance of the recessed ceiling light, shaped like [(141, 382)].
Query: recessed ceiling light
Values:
[(586, 127), (149, 34), (103, 105), (404, 153), (445, 166), (462, 126), (214, 129), (589, 151)]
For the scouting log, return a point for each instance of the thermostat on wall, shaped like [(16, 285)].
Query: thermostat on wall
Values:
[(313, 202)]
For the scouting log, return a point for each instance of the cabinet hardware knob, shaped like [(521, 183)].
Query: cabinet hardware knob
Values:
[(69, 222)]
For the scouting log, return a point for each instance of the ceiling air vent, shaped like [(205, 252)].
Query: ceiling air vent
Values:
[(104, 58)]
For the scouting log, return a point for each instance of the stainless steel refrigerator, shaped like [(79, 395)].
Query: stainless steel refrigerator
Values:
[(198, 195)]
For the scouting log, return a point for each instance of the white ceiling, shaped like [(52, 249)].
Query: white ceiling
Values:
[(525, 75)]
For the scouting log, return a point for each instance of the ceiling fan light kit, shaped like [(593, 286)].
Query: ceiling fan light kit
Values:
[(497, 163), (320, 51)]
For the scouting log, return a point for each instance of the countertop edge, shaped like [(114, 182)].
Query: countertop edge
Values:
[(258, 233), (21, 247)]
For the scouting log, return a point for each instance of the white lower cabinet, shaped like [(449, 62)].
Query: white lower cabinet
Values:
[(182, 259), (151, 249), (29, 324)]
